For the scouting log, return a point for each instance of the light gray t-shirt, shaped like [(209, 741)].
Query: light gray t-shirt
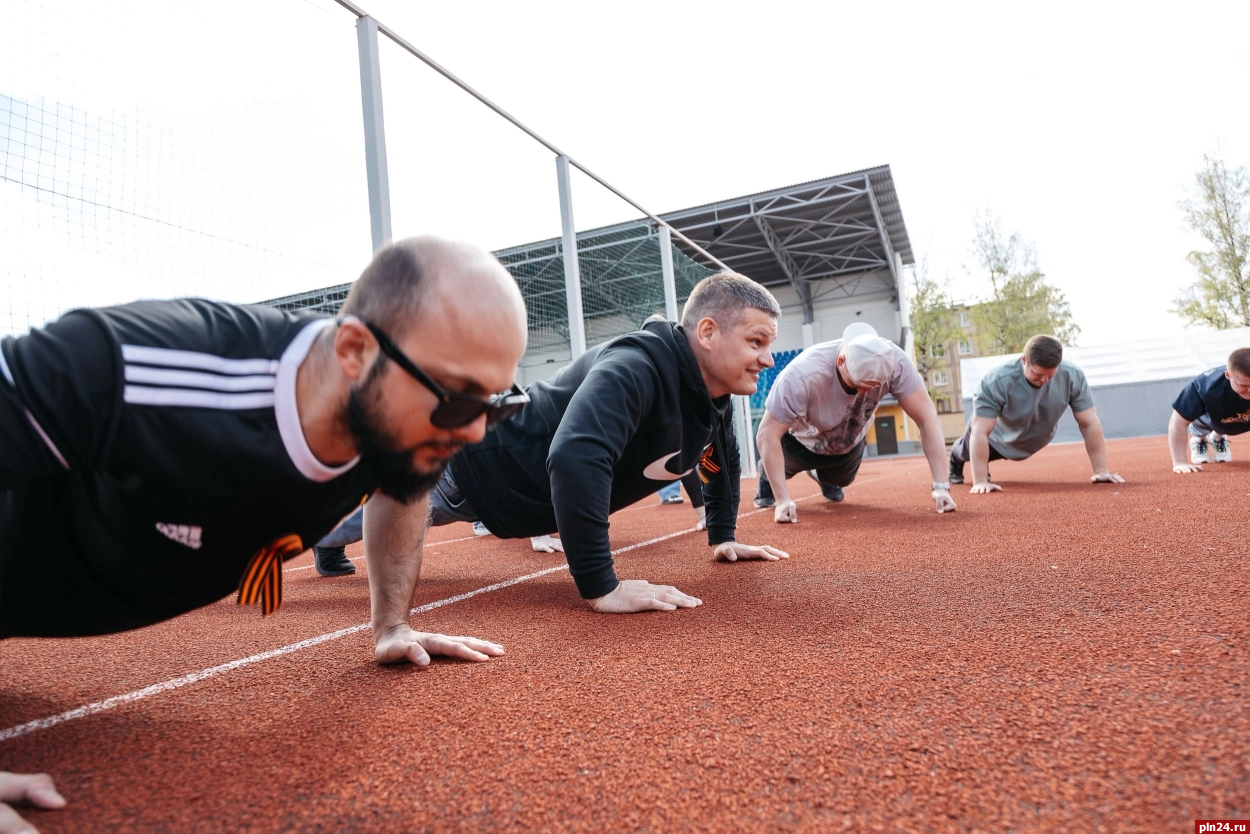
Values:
[(1027, 416), (808, 397)]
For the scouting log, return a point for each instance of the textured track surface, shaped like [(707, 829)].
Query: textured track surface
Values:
[(1058, 656)]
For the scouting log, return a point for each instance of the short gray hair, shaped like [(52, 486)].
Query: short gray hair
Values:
[(723, 297)]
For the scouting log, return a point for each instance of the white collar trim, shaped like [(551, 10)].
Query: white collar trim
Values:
[(287, 411)]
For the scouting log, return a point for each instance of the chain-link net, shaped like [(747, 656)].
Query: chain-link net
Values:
[(120, 179)]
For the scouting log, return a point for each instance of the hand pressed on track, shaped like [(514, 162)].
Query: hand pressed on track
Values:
[(786, 512), (634, 595), (404, 644), (546, 544), (942, 498), (700, 513), (1105, 478), (736, 551), (985, 487), (34, 788), (1186, 468)]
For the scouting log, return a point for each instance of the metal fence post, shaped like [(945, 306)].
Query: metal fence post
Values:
[(666, 270), (375, 132), (572, 275)]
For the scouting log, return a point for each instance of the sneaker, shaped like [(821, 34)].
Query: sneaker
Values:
[(479, 529), (674, 499), (1223, 454), (764, 502), (832, 493), (956, 472), (332, 561), (1198, 450)]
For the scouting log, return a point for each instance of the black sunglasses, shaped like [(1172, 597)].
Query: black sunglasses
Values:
[(454, 409)]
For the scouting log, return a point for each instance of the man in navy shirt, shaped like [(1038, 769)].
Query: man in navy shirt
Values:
[(1210, 408)]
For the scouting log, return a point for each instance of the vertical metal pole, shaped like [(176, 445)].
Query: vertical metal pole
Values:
[(375, 132), (572, 275), (750, 470), (666, 270)]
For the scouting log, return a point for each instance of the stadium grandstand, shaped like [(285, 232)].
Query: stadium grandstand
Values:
[(831, 250)]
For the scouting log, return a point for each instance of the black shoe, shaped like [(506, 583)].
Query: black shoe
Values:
[(956, 473), (833, 493), (332, 561)]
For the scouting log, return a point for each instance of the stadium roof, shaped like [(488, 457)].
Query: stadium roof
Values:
[(841, 232), (832, 237)]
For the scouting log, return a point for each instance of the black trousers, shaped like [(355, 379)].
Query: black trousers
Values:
[(962, 450), (830, 470)]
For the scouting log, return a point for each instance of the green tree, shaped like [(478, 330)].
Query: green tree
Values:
[(1021, 303), (932, 324), (1219, 210)]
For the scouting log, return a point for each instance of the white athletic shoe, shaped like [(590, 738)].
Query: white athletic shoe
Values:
[(1198, 450), (1223, 454), (479, 529)]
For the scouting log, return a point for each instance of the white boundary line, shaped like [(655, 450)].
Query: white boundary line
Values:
[(215, 671)]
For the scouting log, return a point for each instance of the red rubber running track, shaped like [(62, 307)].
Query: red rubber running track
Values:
[(1058, 656)]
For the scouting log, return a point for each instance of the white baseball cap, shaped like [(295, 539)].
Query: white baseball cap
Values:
[(869, 358)]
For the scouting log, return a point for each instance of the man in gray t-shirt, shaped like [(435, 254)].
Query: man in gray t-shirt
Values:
[(820, 407), (1017, 410)]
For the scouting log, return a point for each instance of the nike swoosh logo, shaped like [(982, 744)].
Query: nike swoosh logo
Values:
[(657, 472)]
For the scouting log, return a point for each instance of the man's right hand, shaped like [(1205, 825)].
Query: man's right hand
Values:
[(402, 644), (36, 788), (786, 512), (634, 595), (1185, 468), (984, 487)]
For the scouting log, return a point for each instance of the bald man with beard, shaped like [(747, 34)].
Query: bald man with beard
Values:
[(158, 456)]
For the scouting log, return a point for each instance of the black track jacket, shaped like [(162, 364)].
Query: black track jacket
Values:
[(626, 418)]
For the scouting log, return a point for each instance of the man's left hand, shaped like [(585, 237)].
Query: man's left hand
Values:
[(700, 513), (404, 644), (1105, 478), (734, 551), (546, 544), (942, 498)]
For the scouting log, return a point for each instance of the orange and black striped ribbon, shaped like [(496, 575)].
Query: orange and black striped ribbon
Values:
[(707, 465), (262, 581)]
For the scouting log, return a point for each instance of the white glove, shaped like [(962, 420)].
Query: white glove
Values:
[(942, 498)]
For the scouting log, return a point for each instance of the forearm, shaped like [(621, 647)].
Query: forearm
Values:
[(394, 541), (1178, 441), (1095, 445), (581, 493), (979, 454), (934, 446), (773, 459)]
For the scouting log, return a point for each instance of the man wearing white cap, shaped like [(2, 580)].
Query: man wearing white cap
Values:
[(818, 412)]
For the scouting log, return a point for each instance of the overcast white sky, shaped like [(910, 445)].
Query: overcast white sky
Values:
[(1081, 124)]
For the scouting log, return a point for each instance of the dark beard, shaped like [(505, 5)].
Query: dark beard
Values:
[(392, 469)]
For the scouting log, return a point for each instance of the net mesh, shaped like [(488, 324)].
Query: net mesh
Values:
[(114, 187)]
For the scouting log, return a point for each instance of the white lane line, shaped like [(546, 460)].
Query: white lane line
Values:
[(214, 671), (427, 546)]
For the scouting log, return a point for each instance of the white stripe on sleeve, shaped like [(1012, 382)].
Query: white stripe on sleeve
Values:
[(141, 395), (201, 361), (194, 379)]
